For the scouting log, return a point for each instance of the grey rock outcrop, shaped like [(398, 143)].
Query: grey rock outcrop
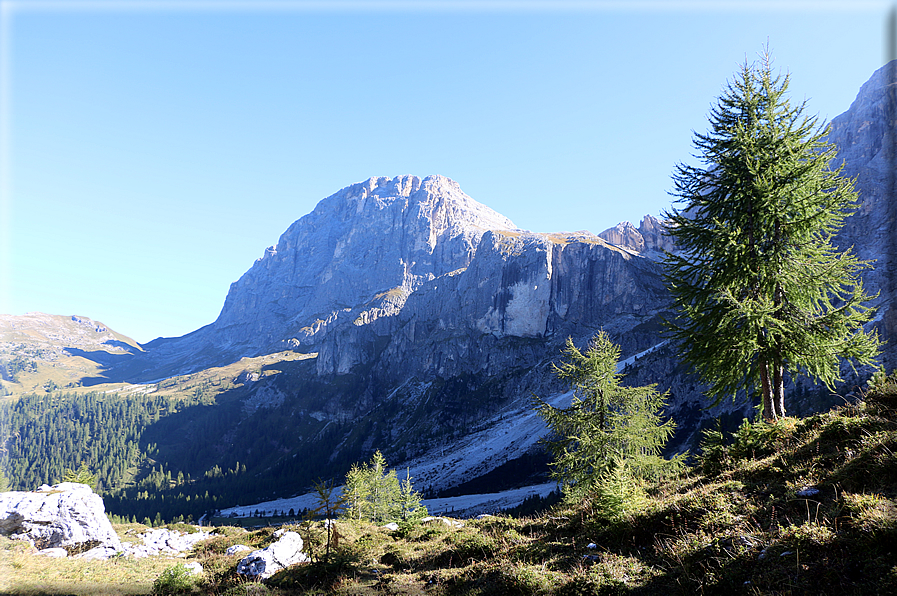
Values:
[(866, 138), (237, 549), (264, 563), (66, 515), (525, 286), (162, 541), (649, 239)]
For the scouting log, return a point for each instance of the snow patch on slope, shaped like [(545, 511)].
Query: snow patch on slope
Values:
[(504, 437), (631, 360)]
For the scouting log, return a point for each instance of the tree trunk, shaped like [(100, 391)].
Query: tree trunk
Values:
[(766, 389), (778, 398)]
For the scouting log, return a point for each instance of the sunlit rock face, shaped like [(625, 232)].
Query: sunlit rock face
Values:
[(520, 297), (410, 274), (649, 239), (67, 515), (365, 248), (866, 139)]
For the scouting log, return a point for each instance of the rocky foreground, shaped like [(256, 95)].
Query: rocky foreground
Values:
[(69, 520)]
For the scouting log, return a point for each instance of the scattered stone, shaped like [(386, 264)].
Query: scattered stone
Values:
[(66, 515), (591, 546), (99, 553), (194, 567), (452, 523), (237, 548), (162, 541), (56, 553), (745, 541), (391, 526), (809, 491), (786, 553), (262, 564)]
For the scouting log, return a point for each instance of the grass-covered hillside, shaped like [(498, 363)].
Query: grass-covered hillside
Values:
[(804, 506)]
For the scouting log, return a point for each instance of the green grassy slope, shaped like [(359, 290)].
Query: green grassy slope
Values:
[(742, 522)]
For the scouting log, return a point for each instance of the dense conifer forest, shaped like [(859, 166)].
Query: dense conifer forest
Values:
[(131, 443)]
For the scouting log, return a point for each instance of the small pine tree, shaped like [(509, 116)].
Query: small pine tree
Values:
[(617, 491), (410, 500), (81, 476), (330, 505), (374, 493), (384, 490), (357, 491), (610, 433)]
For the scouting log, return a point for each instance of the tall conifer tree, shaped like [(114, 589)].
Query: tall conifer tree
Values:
[(759, 286)]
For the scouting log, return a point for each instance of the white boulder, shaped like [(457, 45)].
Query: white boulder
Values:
[(237, 548), (264, 563), (452, 523), (162, 541), (66, 515), (195, 567)]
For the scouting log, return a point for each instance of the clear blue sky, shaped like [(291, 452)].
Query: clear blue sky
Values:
[(152, 150)]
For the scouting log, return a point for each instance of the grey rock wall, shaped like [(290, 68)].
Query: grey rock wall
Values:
[(371, 244), (866, 138)]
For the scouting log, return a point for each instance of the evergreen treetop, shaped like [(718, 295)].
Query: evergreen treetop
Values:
[(374, 493)]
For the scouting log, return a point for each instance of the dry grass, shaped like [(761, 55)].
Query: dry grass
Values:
[(22, 572)]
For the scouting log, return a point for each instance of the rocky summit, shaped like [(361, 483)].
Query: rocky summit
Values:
[(357, 256)]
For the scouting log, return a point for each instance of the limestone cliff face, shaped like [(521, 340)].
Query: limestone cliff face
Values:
[(519, 285), (648, 240), (371, 244), (867, 146)]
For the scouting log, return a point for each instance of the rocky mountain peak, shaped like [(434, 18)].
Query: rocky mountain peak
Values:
[(648, 239), (366, 247), (438, 199)]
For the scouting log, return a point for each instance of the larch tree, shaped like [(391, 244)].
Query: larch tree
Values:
[(410, 500), (610, 433), (759, 286), (374, 493)]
